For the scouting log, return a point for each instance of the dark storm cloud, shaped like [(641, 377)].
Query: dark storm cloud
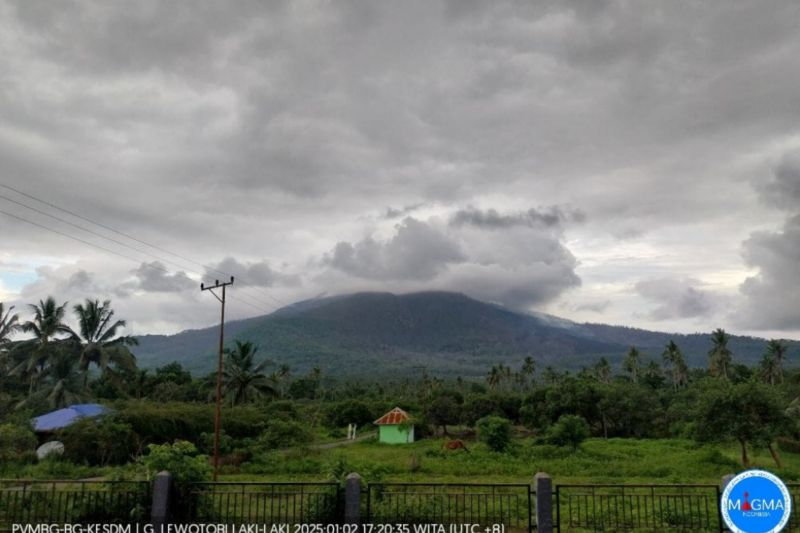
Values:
[(257, 274), (773, 295), (783, 190), (417, 251), (392, 213), (154, 277), (519, 268), (675, 298), (492, 219)]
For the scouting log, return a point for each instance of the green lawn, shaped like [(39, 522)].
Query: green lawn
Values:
[(598, 461)]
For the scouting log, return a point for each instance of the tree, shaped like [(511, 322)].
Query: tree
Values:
[(9, 324), (244, 380), (632, 364), (772, 363), (676, 364), (750, 413), (528, 369), (495, 432), (99, 342), (569, 430), (602, 371), (720, 357), (494, 377), (444, 409), (47, 323)]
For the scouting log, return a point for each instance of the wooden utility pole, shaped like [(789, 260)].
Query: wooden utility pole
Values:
[(221, 299)]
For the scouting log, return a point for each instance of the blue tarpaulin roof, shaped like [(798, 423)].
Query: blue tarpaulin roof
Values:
[(66, 416)]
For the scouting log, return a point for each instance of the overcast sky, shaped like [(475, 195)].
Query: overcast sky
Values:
[(631, 163)]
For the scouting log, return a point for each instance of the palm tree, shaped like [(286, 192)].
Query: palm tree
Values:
[(47, 323), (720, 357), (244, 379), (603, 370), (62, 382), (677, 365), (494, 377), (528, 369), (8, 324), (99, 342), (776, 351), (632, 363), (771, 371)]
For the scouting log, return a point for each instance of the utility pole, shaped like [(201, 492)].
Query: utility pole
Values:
[(221, 299)]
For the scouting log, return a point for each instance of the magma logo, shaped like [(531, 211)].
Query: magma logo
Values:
[(756, 501)]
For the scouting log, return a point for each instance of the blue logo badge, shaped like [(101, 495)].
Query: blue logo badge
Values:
[(756, 501)]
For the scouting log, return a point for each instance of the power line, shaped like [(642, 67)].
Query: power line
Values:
[(103, 248), (118, 232), (120, 243)]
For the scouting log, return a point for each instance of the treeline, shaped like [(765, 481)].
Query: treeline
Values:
[(268, 407)]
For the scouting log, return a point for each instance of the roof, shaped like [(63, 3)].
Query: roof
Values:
[(395, 416), (67, 416)]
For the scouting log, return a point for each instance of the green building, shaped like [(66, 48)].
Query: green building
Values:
[(395, 427)]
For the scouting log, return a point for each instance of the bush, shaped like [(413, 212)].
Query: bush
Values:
[(569, 430), (166, 422), (284, 434), (99, 442), (180, 458), (348, 412), (17, 443), (495, 432)]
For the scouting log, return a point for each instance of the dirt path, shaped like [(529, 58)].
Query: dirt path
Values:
[(339, 443)]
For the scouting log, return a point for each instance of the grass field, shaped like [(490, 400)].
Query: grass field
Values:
[(598, 461)]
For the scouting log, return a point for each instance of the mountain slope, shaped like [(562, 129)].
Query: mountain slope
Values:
[(382, 334)]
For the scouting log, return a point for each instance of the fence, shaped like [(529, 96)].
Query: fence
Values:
[(450, 503), (637, 508), (260, 503), (73, 502), (517, 507)]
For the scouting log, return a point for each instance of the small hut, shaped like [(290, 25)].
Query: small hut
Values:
[(395, 427)]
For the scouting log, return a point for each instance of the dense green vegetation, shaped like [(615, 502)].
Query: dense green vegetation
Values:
[(381, 335), (646, 419)]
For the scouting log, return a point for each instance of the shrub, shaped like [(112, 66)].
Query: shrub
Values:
[(284, 434), (348, 412), (495, 432), (569, 430), (99, 442), (180, 458), (16, 442), (788, 445)]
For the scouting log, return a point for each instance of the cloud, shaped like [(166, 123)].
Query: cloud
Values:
[(783, 190), (772, 297), (492, 219), (521, 268), (417, 251), (594, 307), (154, 277), (257, 274), (397, 213), (676, 298)]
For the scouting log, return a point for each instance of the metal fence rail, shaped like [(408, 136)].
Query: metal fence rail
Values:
[(447, 503), (259, 503), (73, 502), (580, 508)]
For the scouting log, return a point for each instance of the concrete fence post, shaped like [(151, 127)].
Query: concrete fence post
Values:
[(352, 499), (162, 499), (543, 485)]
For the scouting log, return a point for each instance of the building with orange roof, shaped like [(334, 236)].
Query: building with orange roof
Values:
[(395, 427)]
